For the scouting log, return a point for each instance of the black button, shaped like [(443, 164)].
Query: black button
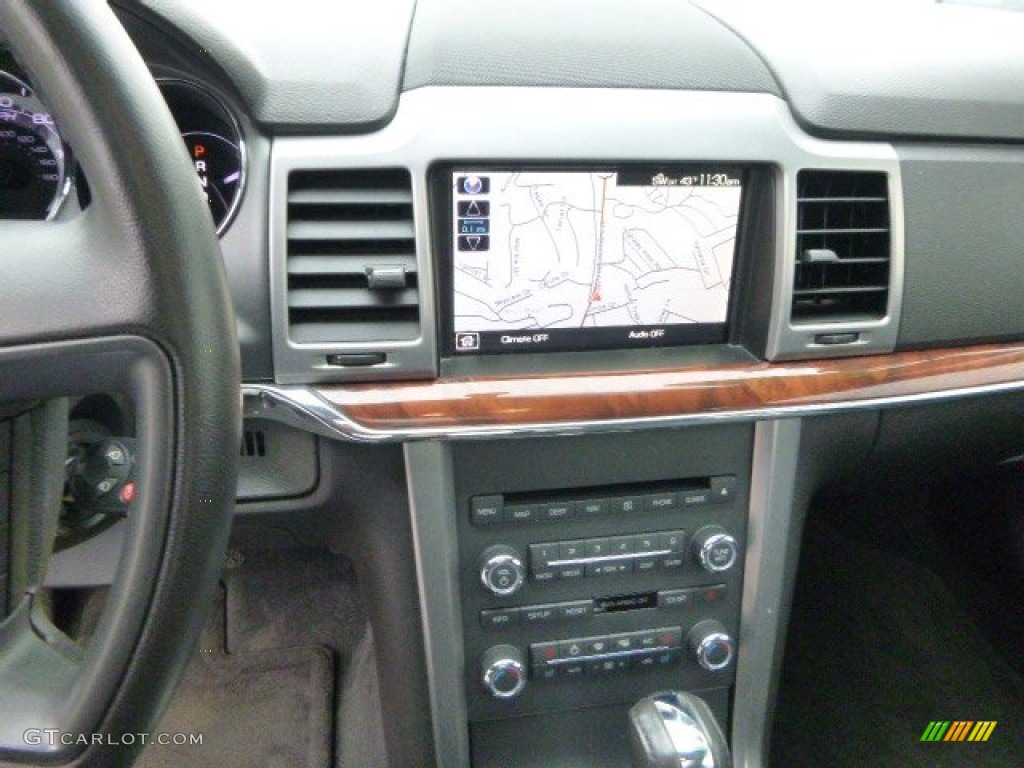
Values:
[(544, 672), (538, 614), (601, 667), (695, 497), (672, 561), (572, 649), (485, 509), (543, 653), (572, 671), (502, 617), (674, 598), (578, 609), (645, 542), (836, 338), (544, 575), (620, 545), (723, 489), (712, 594), (520, 513), (592, 507), (671, 656), (558, 510), (645, 564), (661, 502), (596, 646), (673, 541), (610, 568), (570, 571), (360, 360), (542, 554), (474, 242), (645, 661), (626, 505), (622, 643), (597, 547), (474, 208), (572, 550)]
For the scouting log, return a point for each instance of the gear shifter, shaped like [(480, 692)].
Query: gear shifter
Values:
[(676, 730)]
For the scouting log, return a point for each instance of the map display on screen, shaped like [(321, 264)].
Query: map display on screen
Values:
[(591, 259)]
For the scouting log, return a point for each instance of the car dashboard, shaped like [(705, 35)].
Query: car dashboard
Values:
[(613, 293)]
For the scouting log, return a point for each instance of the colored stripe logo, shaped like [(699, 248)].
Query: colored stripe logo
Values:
[(958, 730)]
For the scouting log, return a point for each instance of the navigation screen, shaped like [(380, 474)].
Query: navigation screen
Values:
[(569, 260)]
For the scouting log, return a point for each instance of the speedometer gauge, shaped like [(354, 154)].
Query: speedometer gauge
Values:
[(214, 143), (33, 178)]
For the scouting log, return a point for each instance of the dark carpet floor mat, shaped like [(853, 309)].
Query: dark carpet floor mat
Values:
[(878, 648), (262, 708)]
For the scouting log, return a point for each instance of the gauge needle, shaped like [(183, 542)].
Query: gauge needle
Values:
[(231, 178)]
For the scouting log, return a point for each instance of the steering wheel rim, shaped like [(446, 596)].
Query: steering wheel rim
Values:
[(128, 296)]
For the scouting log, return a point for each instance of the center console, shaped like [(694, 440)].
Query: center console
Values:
[(598, 570)]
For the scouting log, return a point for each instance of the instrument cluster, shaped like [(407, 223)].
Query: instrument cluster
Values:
[(37, 168)]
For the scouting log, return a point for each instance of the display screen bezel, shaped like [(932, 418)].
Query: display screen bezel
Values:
[(577, 339)]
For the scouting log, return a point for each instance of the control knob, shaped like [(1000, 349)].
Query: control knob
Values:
[(711, 645), (715, 548), (501, 570), (504, 672)]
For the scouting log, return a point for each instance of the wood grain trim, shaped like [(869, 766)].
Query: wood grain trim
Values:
[(510, 402)]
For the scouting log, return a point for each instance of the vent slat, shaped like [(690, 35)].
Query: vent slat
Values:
[(354, 264), (350, 298), (845, 213), (342, 222), (350, 197), (844, 231), (351, 230)]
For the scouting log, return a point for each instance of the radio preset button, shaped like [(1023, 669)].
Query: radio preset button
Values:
[(673, 541), (645, 542), (542, 554), (572, 550), (620, 545), (598, 547)]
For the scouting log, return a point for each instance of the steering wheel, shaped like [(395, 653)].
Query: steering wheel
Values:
[(128, 297)]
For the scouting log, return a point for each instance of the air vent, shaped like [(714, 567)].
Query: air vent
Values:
[(254, 444), (843, 247), (351, 258)]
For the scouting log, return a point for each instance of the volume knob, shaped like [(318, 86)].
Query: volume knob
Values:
[(504, 672), (501, 570), (716, 549)]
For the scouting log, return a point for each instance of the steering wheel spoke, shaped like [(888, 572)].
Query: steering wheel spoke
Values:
[(129, 296)]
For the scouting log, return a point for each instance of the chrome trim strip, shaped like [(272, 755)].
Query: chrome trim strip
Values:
[(304, 408), (612, 558), (635, 653), (772, 548), (431, 499)]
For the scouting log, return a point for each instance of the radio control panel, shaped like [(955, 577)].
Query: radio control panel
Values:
[(603, 591), (597, 569)]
